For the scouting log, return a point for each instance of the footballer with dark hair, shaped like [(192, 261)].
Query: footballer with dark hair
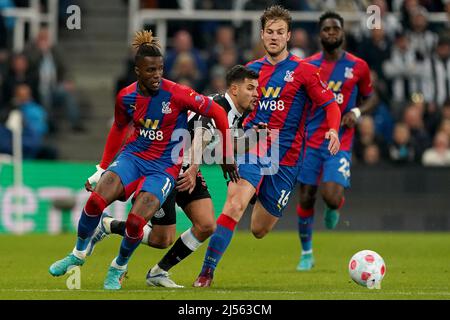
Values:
[(155, 107)]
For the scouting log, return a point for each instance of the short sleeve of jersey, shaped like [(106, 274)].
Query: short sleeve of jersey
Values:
[(192, 100), (317, 89), (365, 82), (121, 117)]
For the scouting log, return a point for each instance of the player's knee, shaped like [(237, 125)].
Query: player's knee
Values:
[(307, 198), (206, 229), (307, 202), (332, 199), (135, 226), (162, 242), (168, 241), (146, 202), (237, 207), (259, 233), (95, 204)]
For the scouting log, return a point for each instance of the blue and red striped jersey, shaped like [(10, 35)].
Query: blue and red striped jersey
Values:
[(347, 77), (286, 90), (155, 118)]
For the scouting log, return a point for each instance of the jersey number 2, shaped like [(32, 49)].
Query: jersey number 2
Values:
[(344, 168)]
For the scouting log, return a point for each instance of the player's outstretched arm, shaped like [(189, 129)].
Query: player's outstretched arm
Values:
[(113, 143), (322, 96)]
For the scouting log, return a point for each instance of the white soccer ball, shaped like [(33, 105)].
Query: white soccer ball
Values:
[(367, 269)]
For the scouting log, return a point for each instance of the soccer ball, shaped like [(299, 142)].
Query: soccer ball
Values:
[(367, 269)]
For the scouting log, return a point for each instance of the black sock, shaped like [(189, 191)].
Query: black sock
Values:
[(118, 227), (178, 252)]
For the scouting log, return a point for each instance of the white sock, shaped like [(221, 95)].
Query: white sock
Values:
[(307, 251), (147, 232), (115, 265), (190, 240), (79, 254), (156, 269), (107, 224)]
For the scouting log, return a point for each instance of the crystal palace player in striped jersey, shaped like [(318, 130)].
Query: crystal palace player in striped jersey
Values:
[(156, 107), (287, 86), (191, 193), (349, 78)]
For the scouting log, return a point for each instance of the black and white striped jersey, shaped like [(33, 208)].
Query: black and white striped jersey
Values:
[(235, 120)]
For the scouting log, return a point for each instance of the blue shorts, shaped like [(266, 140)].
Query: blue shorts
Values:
[(318, 165), (142, 175), (273, 190)]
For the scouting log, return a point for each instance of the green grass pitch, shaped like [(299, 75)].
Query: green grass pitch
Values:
[(418, 267)]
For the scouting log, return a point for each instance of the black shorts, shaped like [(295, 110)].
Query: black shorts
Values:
[(167, 215)]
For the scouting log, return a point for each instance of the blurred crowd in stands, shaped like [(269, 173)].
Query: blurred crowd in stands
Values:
[(409, 57), (35, 82)]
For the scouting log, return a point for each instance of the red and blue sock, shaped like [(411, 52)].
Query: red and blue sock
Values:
[(134, 233), (305, 227), (219, 241), (89, 219)]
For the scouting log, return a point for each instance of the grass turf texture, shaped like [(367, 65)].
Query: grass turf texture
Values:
[(418, 267)]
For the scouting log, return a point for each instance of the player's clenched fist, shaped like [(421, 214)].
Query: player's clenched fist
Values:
[(334, 144)]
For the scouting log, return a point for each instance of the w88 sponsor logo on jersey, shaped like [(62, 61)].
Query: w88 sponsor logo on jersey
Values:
[(272, 101), (271, 105), (339, 97), (151, 134), (150, 129), (335, 86)]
